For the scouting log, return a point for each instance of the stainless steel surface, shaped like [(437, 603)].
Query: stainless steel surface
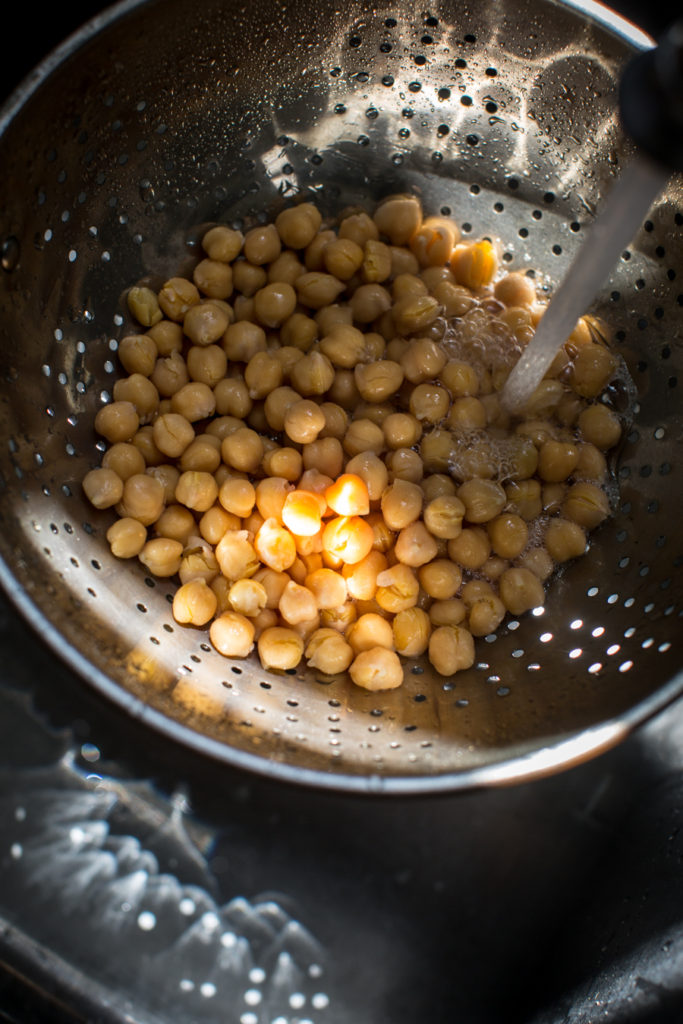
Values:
[(148, 125)]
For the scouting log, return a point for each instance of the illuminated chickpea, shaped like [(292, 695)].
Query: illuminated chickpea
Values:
[(301, 513), (467, 414), (508, 534), (143, 304), (142, 499), (369, 302), (280, 648), (434, 240), (348, 496), (344, 346), (126, 537), (274, 303), (198, 562), (172, 433), (232, 635), (483, 499), (215, 522), (600, 426), (170, 374), (275, 546), (313, 374), (326, 455), (564, 540), (429, 403), (343, 258), (447, 613), (297, 225), (398, 217), (328, 652), (557, 460), (437, 485), (317, 289), (162, 556), (372, 471), (144, 442), (348, 538), (117, 421), (470, 548), (474, 264), (102, 487), (415, 546), (485, 615), (176, 297), (243, 450), (243, 340), (196, 490), (363, 436), (524, 498), (397, 588), (222, 243), (515, 289), (451, 649), (586, 504), (440, 579), (538, 561)]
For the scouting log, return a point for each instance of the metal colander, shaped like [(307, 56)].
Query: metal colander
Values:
[(160, 117)]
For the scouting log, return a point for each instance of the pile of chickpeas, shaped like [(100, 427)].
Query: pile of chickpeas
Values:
[(311, 437)]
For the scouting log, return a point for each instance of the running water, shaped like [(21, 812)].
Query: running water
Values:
[(618, 220)]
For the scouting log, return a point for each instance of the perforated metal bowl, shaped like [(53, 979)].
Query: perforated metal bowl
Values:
[(162, 116)]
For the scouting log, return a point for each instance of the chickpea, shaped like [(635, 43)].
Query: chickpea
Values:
[(592, 369), (275, 546), (343, 258), (440, 578), (372, 471), (285, 269), (451, 649), (126, 537), (408, 286), (206, 322), (222, 243), (172, 433), (368, 631), (401, 504), (280, 648), (124, 459), (262, 375), (415, 313), (143, 304), (363, 436), (521, 590), (485, 615), (328, 587), (138, 354), (297, 604), (600, 427), (586, 504), (454, 299), (313, 255), (405, 464), (196, 490), (142, 499), (378, 380), (301, 513), (369, 302), (544, 399), (537, 431), (232, 397), (242, 340), (524, 498), (207, 365), (401, 430), (460, 378), (236, 555), (215, 522), (436, 485), (274, 303), (336, 420), (237, 496), (538, 561), (194, 603), (176, 297), (339, 618), (515, 289), (411, 629), (317, 289), (361, 578), (167, 336), (429, 403), (313, 374), (483, 499), (144, 442), (270, 497), (552, 497), (232, 635), (344, 346), (297, 225), (398, 217), (557, 460), (102, 487), (508, 534), (328, 652), (415, 546), (438, 450), (470, 548), (326, 455), (170, 374), (348, 538), (348, 496), (474, 264), (494, 567), (377, 669), (303, 421), (397, 588), (162, 556), (359, 227), (273, 582), (376, 266), (330, 317), (243, 450), (447, 613), (117, 421), (564, 540), (467, 414), (434, 240)]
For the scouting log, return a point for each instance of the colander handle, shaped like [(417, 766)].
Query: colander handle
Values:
[(651, 99)]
